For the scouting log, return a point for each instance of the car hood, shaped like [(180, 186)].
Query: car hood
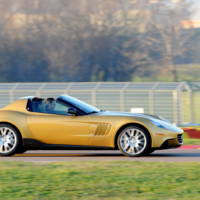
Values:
[(162, 123), (128, 114)]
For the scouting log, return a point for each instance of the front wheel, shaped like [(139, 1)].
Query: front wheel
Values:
[(9, 140), (134, 141)]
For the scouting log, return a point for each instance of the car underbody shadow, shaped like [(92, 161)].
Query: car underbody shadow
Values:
[(106, 154)]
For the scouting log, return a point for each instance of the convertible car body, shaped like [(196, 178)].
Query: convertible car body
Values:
[(68, 123)]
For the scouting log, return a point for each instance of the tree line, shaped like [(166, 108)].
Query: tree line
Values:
[(94, 40)]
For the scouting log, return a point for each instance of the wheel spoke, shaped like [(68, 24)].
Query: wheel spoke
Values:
[(141, 140), (134, 132), (127, 134), (1, 148), (138, 134), (140, 137), (12, 141), (2, 131), (135, 150), (6, 146), (126, 138), (5, 132), (141, 144), (131, 132), (128, 148)]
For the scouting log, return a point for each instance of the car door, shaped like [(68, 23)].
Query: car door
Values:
[(60, 128)]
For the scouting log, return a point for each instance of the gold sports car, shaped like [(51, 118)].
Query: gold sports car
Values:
[(34, 123)]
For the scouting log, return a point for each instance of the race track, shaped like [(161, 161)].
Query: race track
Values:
[(174, 155)]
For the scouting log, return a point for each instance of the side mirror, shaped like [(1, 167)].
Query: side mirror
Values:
[(72, 111)]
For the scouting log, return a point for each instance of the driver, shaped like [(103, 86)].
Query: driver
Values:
[(50, 105)]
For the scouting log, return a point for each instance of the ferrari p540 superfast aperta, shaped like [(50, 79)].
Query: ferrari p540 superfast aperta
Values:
[(35, 123)]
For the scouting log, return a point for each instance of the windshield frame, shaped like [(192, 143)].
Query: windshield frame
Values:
[(80, 105)]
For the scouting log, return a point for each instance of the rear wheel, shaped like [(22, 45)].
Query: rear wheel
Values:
[(134, 141), (9, 140)]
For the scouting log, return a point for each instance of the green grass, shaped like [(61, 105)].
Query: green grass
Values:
[(191, 141), (99, 181)]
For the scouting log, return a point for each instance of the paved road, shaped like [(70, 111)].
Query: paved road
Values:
[(175, 155)]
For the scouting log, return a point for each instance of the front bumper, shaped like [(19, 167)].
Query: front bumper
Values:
[(172, 143)]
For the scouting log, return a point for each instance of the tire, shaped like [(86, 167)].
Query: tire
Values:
[(134, 141), (21, 150), (9, 140), (151, 151)]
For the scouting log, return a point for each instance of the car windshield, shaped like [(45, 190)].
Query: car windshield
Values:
[(88, 109)]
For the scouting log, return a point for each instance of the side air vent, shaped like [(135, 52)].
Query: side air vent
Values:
[(103, 129), (180, 138)]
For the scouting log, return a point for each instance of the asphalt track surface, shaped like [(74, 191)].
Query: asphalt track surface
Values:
[(173, 155)]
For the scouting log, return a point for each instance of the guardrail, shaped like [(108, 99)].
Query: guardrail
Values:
[(178, 102)]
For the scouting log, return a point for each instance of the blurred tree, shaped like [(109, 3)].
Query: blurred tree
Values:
[(91, 40), (166, 34)]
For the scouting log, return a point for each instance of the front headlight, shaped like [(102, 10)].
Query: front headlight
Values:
[(165, 125)]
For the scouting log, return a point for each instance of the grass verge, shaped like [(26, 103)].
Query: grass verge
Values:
[(191, 141), (99, 181)]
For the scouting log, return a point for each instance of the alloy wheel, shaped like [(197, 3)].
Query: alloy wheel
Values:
[(8, 140), (133, 141)]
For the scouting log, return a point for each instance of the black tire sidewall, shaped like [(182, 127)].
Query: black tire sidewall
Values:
[(17, 143), (21, 149), (151, 151), (148, 142)]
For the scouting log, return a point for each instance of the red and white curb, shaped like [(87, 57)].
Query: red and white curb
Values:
[(190, 147)]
